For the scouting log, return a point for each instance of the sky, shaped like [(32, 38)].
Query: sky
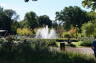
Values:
[(40, 7)]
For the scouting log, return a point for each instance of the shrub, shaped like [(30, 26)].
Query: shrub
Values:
[(24, 31), (67, 35), (86, 41), (88, 29), (1, 41)]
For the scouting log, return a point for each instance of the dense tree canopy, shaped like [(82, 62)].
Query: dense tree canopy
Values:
[(44, 20), (72, 16), (11, 14), (90, 4), (88, 29), (31, 19), (92, 16), (6, 19)]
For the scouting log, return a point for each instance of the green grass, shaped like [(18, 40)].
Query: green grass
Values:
[(77, 44), (58, 44)]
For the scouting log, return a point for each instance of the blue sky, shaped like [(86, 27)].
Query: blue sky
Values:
[(40, 7)]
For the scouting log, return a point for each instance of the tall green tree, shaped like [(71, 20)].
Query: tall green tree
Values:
[(90, 4), (72, 16), (6, 19), (5, 22), (31, 19), (11, 14), (44, 20), (14, 17)]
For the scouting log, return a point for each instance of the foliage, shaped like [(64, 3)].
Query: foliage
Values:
[(92, 16), (94, 34), (88, 29), (11, 14), (1, 41), (23, 24), (73, 31), (7, 17), (37, 52), (31, 19), (24, 31), (89, 4), (72, 16), (67, 35), (44, 20), (5, 21), (60, 30), (14, 27), (86, 41)]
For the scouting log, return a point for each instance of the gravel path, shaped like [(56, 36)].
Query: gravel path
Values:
[(83, 50)]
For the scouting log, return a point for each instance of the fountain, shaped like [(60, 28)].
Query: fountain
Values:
[(46, 33)]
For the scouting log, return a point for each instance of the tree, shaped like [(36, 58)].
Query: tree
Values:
[(92, 16), (11, 14), (23, 24), (88, 29), (6, 19), (90, 4), (14, 26), (44, 20), (5, 22), (72, 16), (31, 19)]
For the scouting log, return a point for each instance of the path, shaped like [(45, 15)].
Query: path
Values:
[(82, 50)]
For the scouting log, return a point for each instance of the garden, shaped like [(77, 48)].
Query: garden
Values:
[(37, 38)]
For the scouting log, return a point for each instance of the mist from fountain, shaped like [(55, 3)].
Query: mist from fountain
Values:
[(46, 33)]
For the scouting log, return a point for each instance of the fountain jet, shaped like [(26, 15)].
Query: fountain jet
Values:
[(46, 33)]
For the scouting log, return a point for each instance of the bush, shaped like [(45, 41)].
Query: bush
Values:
[(88, 29), (86, 41), (1, 41), (67, 35), (24, 31)]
